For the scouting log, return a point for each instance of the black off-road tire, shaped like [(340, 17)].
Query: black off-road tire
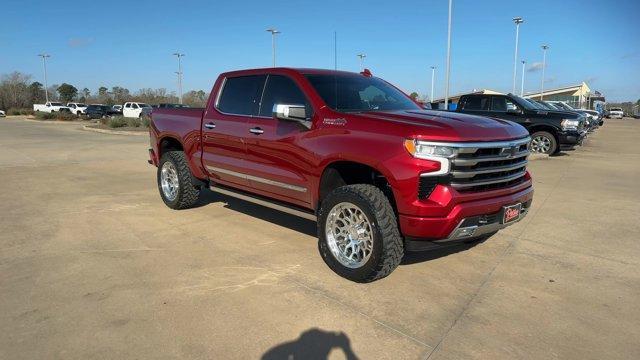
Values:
[(388, 248), (554, 148), (188, 193)]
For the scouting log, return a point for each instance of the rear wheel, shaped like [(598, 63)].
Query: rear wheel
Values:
[(358, 234), (175, 181), (543, 142)]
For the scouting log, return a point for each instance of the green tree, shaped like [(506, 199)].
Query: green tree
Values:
[(120, 94), (36, 92), (414, 95), (67, 92), (102, 91)]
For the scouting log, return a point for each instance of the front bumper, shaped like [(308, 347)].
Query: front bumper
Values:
[(484, 214), (571, 137)]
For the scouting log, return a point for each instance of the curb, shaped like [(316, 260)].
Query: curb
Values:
[(533, 157), (114, 132), (50, 121)]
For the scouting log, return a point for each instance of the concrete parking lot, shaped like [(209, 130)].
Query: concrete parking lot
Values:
[(93, 265)]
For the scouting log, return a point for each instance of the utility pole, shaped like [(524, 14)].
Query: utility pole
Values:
[(273, 32), (522, 85), (517, 20), (179, 55), (544, 65), (433, 77), (44, 67), (362, 56), (446, 88)]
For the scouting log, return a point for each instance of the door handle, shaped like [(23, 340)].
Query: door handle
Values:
[(210, 125), (256, 130)]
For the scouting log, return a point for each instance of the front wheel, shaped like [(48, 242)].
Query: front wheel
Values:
[(543, 142), (175, 181), (358, 234)]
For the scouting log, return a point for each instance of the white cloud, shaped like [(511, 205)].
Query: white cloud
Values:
[(537, 66), (80, 42)]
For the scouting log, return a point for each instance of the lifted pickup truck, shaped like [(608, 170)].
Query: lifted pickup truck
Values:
[(549, 129), (380, 175)]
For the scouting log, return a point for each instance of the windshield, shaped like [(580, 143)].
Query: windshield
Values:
[(615, 109), (524, 103), (356, 93)]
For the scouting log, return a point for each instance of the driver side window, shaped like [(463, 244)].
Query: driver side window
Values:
[(282, 90), (502, 104)]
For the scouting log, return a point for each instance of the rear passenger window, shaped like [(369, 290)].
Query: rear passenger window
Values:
[(241, 95), (281, 90), (476, 103)]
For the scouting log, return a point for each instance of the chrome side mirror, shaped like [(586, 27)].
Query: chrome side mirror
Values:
[(290, 112)]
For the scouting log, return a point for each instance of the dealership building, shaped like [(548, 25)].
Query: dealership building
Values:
[(578, 96)]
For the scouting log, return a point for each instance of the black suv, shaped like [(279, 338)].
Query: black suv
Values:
[(549, 129), (98, 111)]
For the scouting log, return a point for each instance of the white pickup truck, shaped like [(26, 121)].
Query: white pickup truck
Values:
[(136, 110), (50, 107), (77, 108)]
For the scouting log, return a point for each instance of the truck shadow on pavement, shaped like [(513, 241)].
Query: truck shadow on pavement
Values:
[(311, 345), (292, 222), (309, 227)]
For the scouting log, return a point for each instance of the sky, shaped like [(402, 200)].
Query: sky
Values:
[(130, 43)]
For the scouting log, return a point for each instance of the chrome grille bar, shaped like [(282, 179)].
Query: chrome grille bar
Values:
[(502, 179), (471, 173)]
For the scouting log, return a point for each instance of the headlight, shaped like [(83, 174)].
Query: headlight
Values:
[(425, 150), (431, 151), (568, 124)]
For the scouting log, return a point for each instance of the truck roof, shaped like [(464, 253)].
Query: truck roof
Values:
[(305, 71)]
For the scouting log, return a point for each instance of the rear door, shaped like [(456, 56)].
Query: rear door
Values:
[(476, 105), (224, 129), (279, 166)]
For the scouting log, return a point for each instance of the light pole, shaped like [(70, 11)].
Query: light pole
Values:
[(433, 77), (522, 85), (446, 87), (544, 65), (361, 56), (273, 32), (518, 20), (44, 67), (179, 55)]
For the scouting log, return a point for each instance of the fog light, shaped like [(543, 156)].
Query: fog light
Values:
[(466, 232)]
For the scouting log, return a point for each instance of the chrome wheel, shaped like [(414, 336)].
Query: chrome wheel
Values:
[(541, 144), (349, 235), (169, 181)]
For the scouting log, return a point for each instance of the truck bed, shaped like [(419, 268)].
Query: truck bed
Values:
[(177, 121)]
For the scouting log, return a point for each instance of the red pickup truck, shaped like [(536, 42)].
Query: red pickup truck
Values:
[(379, 174)]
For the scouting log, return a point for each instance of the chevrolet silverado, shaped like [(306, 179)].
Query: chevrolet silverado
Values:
[(378, 173)]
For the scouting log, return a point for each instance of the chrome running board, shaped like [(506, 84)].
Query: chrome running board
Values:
[(262, 201)]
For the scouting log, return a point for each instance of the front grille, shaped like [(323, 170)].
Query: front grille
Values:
[(482, 167), (489, 166)]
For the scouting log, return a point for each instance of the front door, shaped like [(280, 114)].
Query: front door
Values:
[(224, 129), (280, 165), (504, 108)]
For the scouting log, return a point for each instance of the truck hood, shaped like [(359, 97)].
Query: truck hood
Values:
[(449, 126)]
